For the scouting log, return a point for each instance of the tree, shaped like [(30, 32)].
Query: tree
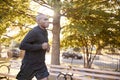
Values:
[(92, 23), (15, 13), (57, 7), (18, 14)]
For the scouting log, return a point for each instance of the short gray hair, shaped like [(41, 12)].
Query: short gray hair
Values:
[(39, 16)]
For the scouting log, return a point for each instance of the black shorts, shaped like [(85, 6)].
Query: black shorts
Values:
[(28, 71)]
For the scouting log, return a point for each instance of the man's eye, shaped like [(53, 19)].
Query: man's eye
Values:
[(46, 19)]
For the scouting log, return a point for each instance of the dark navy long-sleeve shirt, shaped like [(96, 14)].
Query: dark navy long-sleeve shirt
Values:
[(32, 44)]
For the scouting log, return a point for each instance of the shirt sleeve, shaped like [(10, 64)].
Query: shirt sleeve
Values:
[(28, 42)]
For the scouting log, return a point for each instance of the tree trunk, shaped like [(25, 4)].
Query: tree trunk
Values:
[(0, 48), (87, 57), (55, 58), (98, 51)]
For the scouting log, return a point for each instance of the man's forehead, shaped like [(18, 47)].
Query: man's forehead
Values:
[(43, 17)]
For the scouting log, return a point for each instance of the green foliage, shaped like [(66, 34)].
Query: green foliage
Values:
[(93, 21), (14, 13)]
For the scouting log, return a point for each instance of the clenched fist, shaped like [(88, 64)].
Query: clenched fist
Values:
[(46, 46)]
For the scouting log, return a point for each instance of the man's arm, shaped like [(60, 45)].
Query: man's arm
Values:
[(28, 42)]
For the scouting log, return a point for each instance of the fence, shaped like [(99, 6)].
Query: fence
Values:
[(102, 62), (108, 62)]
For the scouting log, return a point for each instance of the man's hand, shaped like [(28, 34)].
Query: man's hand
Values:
[(46, 46), (48, 49)]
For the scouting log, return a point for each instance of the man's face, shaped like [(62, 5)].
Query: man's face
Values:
[(43, 22)]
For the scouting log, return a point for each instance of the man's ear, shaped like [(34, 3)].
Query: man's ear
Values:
[(40, 21)]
